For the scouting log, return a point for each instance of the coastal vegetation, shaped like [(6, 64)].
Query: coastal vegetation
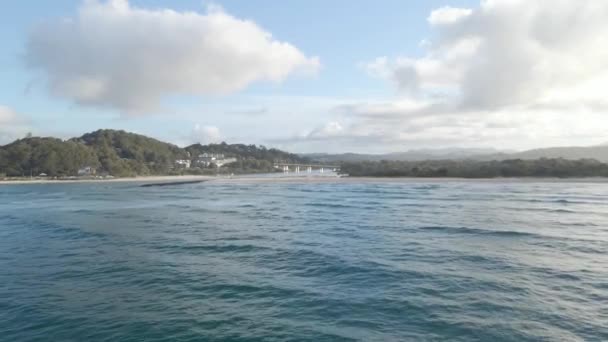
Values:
[(34, 156), (249, 158), (543, 167), (113, 153), (123, 154)]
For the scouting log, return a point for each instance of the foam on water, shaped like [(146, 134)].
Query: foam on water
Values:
[(371, 261)]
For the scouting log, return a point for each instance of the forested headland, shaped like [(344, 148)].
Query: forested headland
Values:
[(123, 154)]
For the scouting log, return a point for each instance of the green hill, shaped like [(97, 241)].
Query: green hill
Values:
[(122, 154), (55, 157)]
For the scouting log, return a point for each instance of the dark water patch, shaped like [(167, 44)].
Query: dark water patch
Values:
[(482, 232), (216, 248), (148, 185), (330, 205)]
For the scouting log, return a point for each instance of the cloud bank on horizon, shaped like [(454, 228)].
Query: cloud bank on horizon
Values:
[(505, 73)]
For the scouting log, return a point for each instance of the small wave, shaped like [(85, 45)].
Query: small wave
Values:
[(555, 274), (229, 248), (543, 210), (477, 231), (330, 205), (229, 212), (559, 201), (563, 211), (427, 187)]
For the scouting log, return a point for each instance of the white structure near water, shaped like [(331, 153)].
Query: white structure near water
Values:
[(208, 159), (87, 171), (183, 163)]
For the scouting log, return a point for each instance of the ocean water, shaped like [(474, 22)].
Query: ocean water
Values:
[(398, 260)]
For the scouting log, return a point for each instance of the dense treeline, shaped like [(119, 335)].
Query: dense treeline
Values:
[(127, 154), (33, 156), (121, 154), (479, 169), (250, 165), (250, 158)]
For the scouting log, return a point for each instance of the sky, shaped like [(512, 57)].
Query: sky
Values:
[(309, 76)]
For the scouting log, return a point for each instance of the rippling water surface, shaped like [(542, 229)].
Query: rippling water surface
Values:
[(306, 261)]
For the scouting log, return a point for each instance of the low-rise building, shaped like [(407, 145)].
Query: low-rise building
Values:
[(208, 159), (86, 171), (183, 163)]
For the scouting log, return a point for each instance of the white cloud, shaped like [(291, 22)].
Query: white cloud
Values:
[(448, 15), (508, 74), (377, 127), (330, 129), (509, 53), (12, 125), (206, 134), (115, 55)]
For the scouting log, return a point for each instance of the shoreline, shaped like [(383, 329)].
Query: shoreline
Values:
[(257, 178), (110, 180), (388, 180)]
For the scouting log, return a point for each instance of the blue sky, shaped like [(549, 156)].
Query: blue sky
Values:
[(376, 86)]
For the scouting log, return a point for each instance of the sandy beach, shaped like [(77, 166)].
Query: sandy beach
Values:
[(111, 180)]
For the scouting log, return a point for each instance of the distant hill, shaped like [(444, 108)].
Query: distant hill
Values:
[(122, 153), (412, 155), (599, 153)]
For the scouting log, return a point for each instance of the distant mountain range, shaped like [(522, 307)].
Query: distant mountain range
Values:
[(599, 152)]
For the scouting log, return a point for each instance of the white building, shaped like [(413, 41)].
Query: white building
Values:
[(208, 159), (183, 163), (86, 171)]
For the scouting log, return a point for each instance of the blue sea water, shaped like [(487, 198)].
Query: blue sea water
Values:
[(401, 260)]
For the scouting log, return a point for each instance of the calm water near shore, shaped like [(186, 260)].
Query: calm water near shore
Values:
[(234, 260)]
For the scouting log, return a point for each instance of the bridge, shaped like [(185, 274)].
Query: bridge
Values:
[(297, 168)]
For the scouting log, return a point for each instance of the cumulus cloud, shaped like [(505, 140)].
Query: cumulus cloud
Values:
[(509, 53), (330, 129), (509, 74), (206, 134), (448, 15), (112, 54)]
